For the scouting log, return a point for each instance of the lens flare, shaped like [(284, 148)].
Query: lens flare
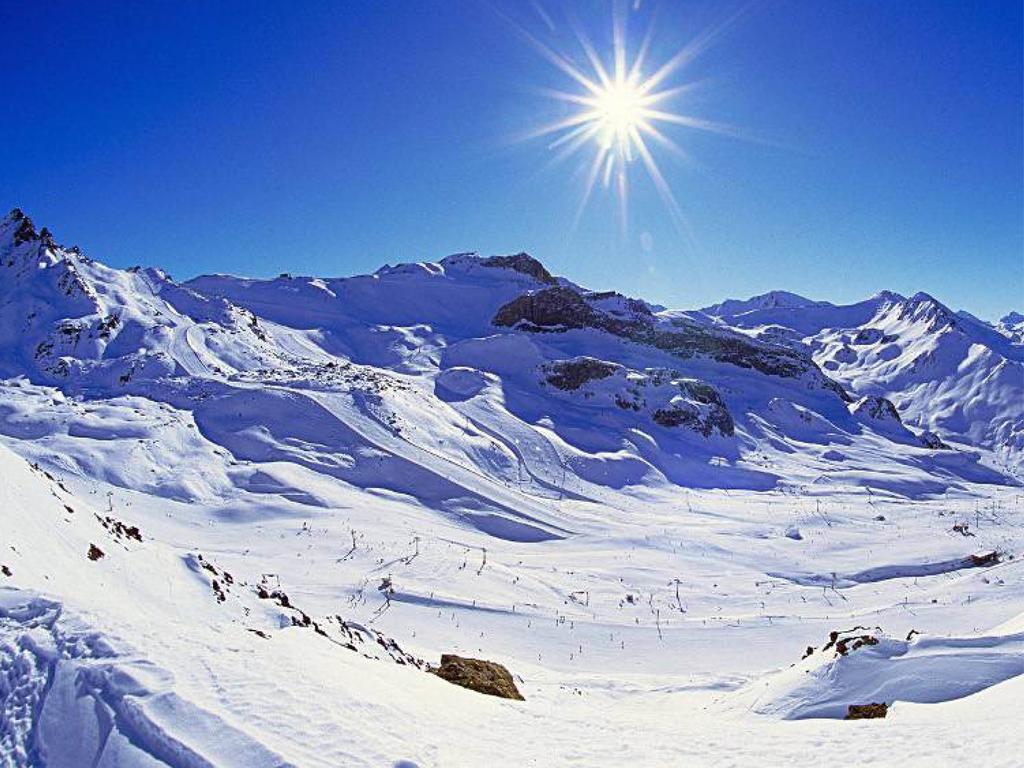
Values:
[(621, 114)]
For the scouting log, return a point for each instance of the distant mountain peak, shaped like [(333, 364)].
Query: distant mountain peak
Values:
[(889, 296), (779, 298), (776, 299), (923, 307)]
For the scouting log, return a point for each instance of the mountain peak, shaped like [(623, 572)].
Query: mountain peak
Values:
[(888, 297), (19, 227), (926, 308), (776, 299), (521, 262), (922, 298), (779, 298)]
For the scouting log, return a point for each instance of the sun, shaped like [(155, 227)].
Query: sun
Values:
[(621, 113), (618, 111)]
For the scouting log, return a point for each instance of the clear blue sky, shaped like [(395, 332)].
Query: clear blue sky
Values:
[(330, 138)]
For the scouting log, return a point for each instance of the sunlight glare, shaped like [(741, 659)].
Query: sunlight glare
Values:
[(618, 112)]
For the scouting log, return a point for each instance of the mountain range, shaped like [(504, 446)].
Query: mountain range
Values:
[(214, 491), (607, 389)]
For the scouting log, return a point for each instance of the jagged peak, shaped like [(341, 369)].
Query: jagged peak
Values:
[(888, 297), (1011, 318), (16, 228), (19, 227), (924, 306), (921, 307)]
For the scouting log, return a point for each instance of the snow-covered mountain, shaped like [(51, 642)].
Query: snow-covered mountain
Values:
[(947, 373), (1011, 325), (216, 490), (411, 352)]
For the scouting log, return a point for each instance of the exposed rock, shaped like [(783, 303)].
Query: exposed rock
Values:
[(560, 309), (669, 399), (95, 553), (478, 675), (615, 303), (866, 711), (718, 416), (26, 230), (868, 336), (549, 309), (877, 409), (715, 416), (574, 373), (521, 262), (933, 441), (847, 640), (985, 559), (847, 644), (678, 416), (921, 307)]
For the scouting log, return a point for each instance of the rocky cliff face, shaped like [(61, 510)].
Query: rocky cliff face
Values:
[(559, 309)]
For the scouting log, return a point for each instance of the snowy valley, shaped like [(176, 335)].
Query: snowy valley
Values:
[(242, 519)]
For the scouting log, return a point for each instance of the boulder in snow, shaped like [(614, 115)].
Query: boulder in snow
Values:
[(478, 675)]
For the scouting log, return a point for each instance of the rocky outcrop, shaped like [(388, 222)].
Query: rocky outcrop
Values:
[(573, 374), (521, 262), (26, 231), (552, 309), (662, 395), (866, 711), (478, 675), (933, 441), (713, 417), (559, 309), (877, 409)]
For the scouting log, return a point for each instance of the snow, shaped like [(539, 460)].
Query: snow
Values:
[(239, 521), (947, 372)]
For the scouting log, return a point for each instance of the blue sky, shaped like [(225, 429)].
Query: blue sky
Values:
[(330, 138)]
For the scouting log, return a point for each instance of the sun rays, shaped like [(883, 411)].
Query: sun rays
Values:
[(621, 112)]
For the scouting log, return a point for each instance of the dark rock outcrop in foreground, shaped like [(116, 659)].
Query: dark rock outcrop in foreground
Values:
[(478, 675), (866, 711)]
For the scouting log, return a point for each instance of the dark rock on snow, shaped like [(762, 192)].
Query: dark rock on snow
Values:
[(522, 262), (559, 309), (866, 711), (478, 675)]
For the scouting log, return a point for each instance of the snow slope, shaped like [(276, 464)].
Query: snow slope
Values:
[(301, 491)]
